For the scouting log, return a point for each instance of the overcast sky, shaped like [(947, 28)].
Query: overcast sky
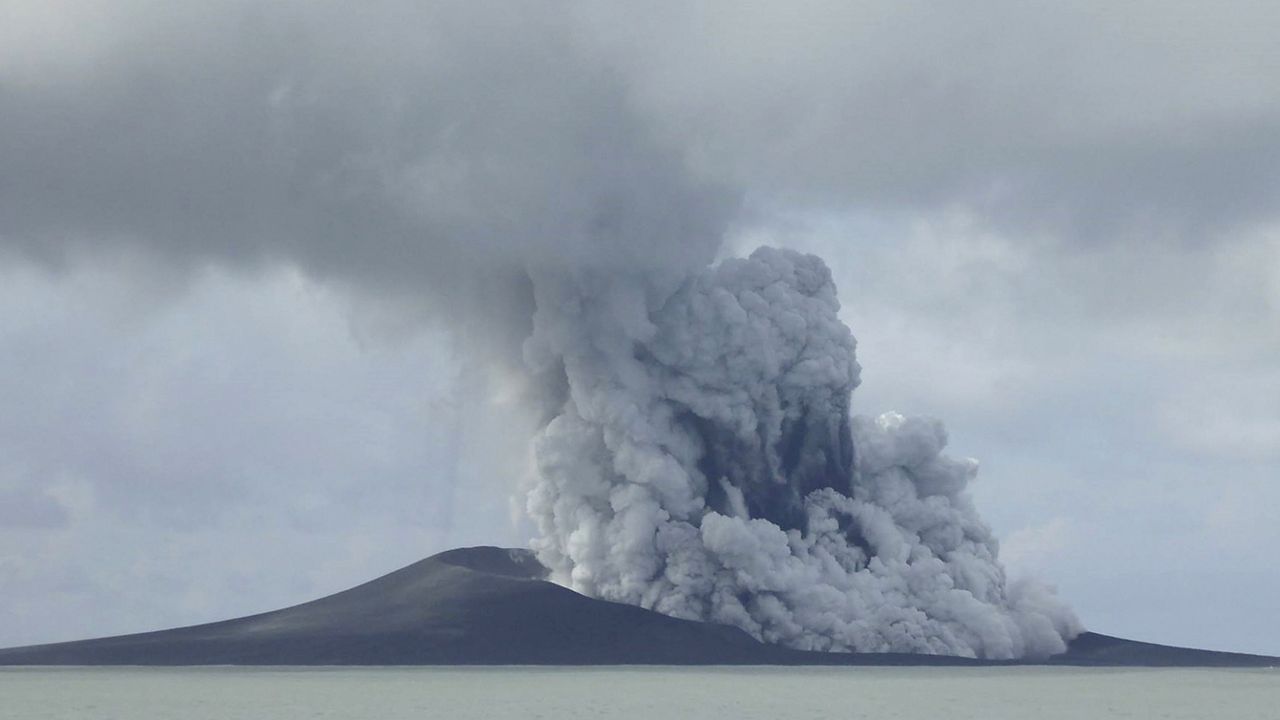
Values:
[(256, 260)]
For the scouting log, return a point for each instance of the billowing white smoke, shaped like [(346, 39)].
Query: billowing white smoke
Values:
[(704, 464)]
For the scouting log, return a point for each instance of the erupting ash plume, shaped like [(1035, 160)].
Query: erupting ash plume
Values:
[(704, 464), (701, 459)]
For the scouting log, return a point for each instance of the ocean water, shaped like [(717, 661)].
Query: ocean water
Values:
[(653, 693)]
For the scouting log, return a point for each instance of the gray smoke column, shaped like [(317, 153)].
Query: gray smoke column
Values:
[(468, 164), (704, 464)]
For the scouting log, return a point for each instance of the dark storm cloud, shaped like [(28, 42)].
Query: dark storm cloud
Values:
[(1072, 118), (389, 143), (402, 147)]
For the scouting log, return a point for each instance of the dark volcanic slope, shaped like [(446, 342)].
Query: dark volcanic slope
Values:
[(473, 606), (489, 606), (1103, 650)]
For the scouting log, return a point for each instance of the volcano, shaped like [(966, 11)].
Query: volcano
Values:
[(493, 606)]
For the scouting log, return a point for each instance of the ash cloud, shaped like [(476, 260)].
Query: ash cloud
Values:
[(425, 152), (457, 142), (705, 465)]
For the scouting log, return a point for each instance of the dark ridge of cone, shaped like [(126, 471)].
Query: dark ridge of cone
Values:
[(490, 606), (1096, 649)]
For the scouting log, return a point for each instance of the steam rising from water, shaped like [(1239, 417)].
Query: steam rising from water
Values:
[(704, 464)]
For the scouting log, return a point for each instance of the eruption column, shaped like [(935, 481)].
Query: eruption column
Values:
[(704, 464)]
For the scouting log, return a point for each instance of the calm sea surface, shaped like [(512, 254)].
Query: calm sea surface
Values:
[(665, 693)]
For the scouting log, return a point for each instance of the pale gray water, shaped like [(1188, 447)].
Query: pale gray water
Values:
[(665, 693)]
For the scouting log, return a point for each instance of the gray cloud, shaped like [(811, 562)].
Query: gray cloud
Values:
[(454, 136), (433, 151), (30, 508), (1083, 119)]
